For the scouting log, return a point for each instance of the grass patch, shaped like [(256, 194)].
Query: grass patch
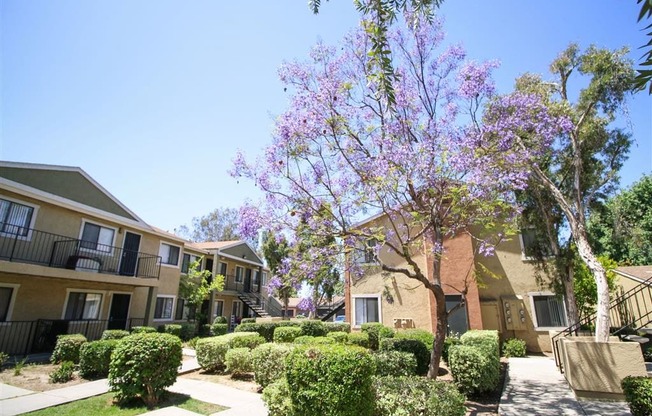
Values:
[(103, 405)]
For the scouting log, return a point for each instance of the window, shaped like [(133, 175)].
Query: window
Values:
[(222, 269), (184, 311), (366, 309), (257, 277), (163, 308), (236, 308), (549, 311), (264, 281), (531, 243), (96, 237), (169, 254), (15, 218), (83, 306), (188, 259), (219, 308), (6, 296), (238, 274), (366, 254)]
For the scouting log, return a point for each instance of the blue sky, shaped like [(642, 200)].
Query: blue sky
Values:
[(153, 98)]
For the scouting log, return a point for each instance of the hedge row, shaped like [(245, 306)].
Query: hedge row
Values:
[(475, 362), (309, 327), (211, 352)]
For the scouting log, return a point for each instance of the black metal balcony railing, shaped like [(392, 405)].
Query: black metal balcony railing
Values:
[(241, 284), (26, 245)]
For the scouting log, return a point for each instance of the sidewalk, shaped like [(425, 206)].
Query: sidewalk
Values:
[(534, 386)]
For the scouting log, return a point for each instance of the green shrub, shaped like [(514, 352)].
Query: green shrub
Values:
[(172, 329), (247, 340), (248, 321), (204, 330), (143, 365), (188, 331), (474, 368), (67, 348), (219, 329), (286, 333), (268, 362), (95, 358), (448, 343), (413, 346), (3, 359), (220, 320), (211, 352), (143, 330), (338, 326), (114, 334), (238, 361), (277, 398), (64, 373), (331, 380), (304, 339), (341, 337), (487, 340), (358, 338), (514, 347), (408, 396), (313, 328), (323, 340), (395, 363), (376, 332), (638, 393), (425, 337), (265, 329)]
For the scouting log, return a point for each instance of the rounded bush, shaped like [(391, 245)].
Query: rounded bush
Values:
[(376, 332), (238, 361), (64, 373), (219, 329), (114, 334), (269, 362), (330, 380), (475, 369), (425, 337), (67, 348), (211, 352), (413, 346), (143, 330), (338, 326), (407, 396), (638, 393), (514, 347), (304, 339), (448, 343), (172, 329), (143, 365), (248, 321), (248, 340), (95, 358), (277, 399), (358, 338), (486, 339), (395, 363), (286, 333), (220, 320), (313, 328), (340, 337), (188, 331)]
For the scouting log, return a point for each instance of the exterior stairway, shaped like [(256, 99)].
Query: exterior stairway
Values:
[(630, 313), (254, 303)]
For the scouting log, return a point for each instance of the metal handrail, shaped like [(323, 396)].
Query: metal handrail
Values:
[(27, 245)]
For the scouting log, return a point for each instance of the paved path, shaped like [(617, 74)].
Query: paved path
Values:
[(534, 386)]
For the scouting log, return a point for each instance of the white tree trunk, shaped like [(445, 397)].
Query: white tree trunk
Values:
[(586, 253)]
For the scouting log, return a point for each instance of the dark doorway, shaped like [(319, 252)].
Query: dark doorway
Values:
[(247, 282), (129, 259), (119, 311), (209, 267), (457, 319)]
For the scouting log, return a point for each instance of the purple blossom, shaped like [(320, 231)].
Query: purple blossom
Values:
[(306, 305)]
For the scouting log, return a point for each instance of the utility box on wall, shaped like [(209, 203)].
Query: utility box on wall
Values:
[(514, 313)]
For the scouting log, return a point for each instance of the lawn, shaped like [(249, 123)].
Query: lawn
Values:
[(103, 405)]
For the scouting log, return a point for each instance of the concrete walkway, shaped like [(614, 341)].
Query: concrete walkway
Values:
[(534, 386)]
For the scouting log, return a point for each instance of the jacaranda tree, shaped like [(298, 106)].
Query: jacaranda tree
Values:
[(339, 155)]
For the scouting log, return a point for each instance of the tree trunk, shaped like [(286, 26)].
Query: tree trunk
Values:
[(569, 295), (586, 253), (440, 332)]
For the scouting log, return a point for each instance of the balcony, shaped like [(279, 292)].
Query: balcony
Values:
[(26, 245), (244, 285)]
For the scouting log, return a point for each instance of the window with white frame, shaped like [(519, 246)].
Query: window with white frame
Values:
[(222, 269), (169, 254), (83, 305), (188, 259), (236, 308), (15, 218), (219, 308), (263, 281), (96, 237), (549, 310), (239, 273), (163, 309), (366, 253), (7, 295), (532, 243), (366, 308)]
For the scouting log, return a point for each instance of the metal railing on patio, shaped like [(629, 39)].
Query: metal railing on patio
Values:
[(26, 245)]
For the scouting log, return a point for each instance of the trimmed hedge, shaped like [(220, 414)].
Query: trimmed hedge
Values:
[(220, 320), (219, 329), (395, 363), (247, 340), (313, 328), (67, 348), (514, 347), (172, 329), (286, 333), (114, 334), (188, 331), (407, 396), (425, 337), (448, 343), (64, 373), (248, 321), (486, 339), (473, 369), (95, 358), (358, 338), (238, 361), (277, 399), (268, 362), (638, 393), (143, 365), (376, 332), (413, 346), (304, 339), (143, 330), (330, 380), (265, 329), (338, 326), (211, 352), (341, 337)]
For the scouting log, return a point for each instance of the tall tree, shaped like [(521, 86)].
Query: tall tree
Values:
[(196, 286), (644, 77), (220, 224), (579, 166), (622, 229), (281, 284), (339, 154)]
